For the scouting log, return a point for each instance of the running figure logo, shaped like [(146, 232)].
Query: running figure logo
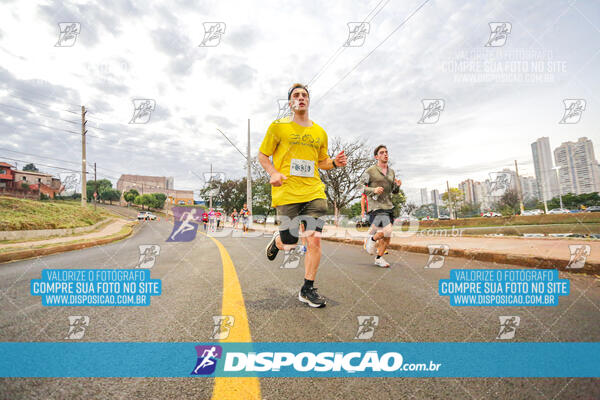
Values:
[(366, 326), (285, 115), (508, 327), (573, 110), (185, 227), (77, 326), (292, 258), (500, 183), (499, 32), (437, 255), (222, 326), (148, 254), (142, 110), (70, 184), (207, 359), (432, 109), (579, 253), (213, 176), (212, 34), (68, 34), (357, 33)]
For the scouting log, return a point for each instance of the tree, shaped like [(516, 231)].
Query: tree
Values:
[(470, 210), (261, 189), (398, 200), (110, 195), (454, 200), (228, 194), (343, 185), (138, 201), (160, 199), (31, 167), (509, 202), (102, 185), (131, 195)]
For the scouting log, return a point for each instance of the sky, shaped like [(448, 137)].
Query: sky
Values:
[(497, 99)]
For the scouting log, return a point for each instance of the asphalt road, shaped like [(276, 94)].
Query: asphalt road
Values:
[(404, 298)]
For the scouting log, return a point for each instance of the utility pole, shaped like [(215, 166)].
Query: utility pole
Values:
[(519, 188), (559, 187), (249, 175), (449, 199), (95, 186), (83, 170)]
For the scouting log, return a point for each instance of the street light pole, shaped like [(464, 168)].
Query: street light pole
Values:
[(249, 175), (559, 188)]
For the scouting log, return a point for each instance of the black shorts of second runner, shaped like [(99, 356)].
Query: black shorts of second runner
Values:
[(381, 218), (291, 215)]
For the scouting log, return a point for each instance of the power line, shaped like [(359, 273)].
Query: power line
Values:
[(49, 127), (232, 144), (43, 95), (44, 165), (38, 113), (375, 48), (341, 49), (38, 156)]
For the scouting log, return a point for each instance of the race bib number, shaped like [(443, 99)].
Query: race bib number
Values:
[(304, 168)]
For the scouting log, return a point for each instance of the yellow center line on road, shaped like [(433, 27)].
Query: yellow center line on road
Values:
[(233, 304)]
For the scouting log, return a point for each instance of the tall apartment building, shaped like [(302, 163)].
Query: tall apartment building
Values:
[(544, 174), (468, 188), (424, 198), (436, 200), (579, 172), (530, 188)]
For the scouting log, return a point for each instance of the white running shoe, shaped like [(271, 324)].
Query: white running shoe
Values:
[(380, 262), (370, 245)]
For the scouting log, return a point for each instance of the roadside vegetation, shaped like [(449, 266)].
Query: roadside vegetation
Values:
[(23, 214)]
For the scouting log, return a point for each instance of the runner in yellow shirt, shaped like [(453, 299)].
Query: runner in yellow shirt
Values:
[(299, 148)]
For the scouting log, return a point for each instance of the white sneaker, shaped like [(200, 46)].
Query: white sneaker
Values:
[(370, 245), (380, 262)]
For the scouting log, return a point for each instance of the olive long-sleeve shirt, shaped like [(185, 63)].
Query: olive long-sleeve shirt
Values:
[(373, 178)]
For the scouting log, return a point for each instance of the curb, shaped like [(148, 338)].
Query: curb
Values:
[(33, 253), (592, 268)]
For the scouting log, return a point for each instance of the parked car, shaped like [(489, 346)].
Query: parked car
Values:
[(559, 211), (492, 214), (593, 209), (145, 215), (442, 216), (259, 220), (532, 212)]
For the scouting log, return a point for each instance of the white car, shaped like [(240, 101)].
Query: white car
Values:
[(145, 215), (492, 214), (559, 211), (532, 212)]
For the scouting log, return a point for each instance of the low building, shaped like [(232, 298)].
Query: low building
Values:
[(155, 184), (13, 179), (7, 175)]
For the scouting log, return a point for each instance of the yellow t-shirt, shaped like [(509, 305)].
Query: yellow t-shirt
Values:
[(292, 143)]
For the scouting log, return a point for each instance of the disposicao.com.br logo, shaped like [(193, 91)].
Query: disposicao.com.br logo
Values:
[(304, 363)]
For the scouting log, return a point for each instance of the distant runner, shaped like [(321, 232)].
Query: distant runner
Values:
[(380, 182)]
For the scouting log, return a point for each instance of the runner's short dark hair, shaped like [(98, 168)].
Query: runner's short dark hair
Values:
[(379, 148), (296, 86)]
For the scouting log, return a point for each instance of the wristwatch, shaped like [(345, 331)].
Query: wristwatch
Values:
[(333, 161)]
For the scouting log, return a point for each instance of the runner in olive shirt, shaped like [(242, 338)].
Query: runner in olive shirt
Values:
[(379, 183), (299, 148)]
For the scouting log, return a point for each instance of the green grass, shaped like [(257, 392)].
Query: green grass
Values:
[(24, 214), (576, 218)]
